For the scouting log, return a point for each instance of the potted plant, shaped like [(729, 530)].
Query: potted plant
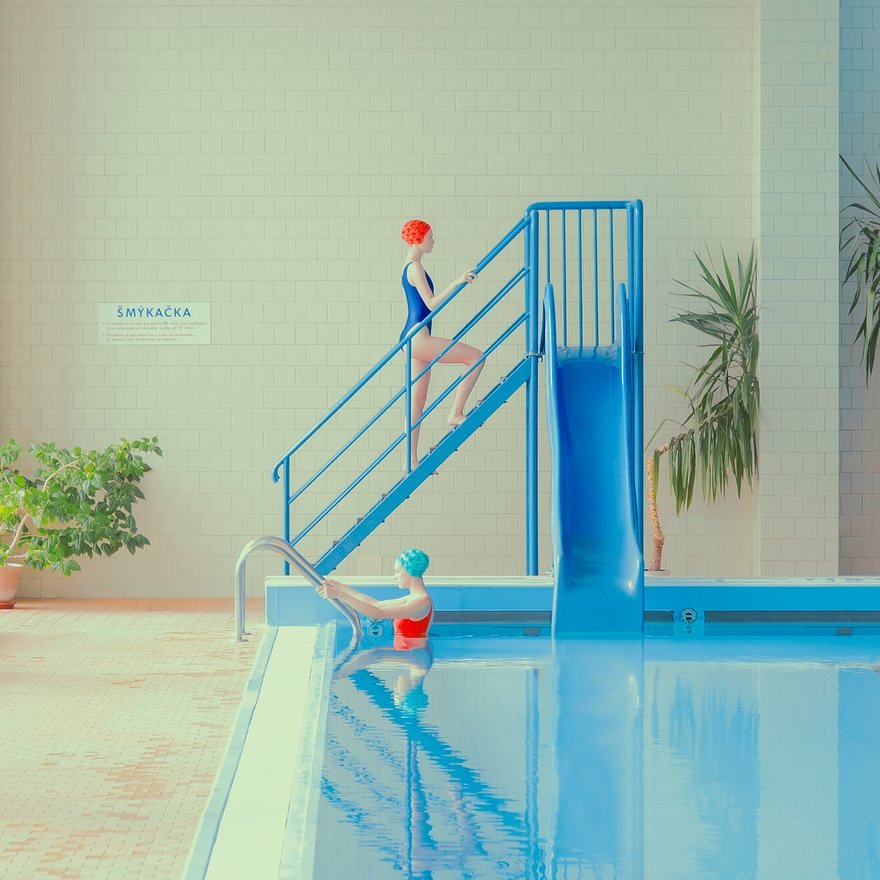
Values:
[(74, 502), (862, 233), (718, 437)]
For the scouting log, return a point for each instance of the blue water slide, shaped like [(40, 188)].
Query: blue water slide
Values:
[(594, 513)]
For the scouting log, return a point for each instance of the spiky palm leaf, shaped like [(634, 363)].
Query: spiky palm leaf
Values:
[(720, 433), (862, 234)]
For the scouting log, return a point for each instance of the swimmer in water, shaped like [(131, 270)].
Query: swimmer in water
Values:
[(412, 614)]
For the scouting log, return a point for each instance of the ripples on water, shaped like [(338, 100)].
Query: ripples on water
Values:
[(659, 758)]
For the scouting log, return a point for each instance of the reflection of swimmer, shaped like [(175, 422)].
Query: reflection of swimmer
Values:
[(409, 691), (371, 670), (464, 799), (410, 658), (412, 614)]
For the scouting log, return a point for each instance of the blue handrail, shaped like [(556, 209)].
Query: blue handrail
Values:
[(581, 206), (628, 387)]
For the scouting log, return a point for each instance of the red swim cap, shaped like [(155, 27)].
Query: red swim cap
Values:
[(414, 231)]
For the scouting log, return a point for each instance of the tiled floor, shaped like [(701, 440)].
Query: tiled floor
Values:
[(115, 718)]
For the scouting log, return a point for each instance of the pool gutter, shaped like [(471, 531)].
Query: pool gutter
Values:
[(292, 601)]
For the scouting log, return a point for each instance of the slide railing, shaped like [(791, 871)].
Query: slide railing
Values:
[(583, 252)]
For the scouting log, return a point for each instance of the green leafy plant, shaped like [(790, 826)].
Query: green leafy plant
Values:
[(74, 503), (718, 437), (861, 235)]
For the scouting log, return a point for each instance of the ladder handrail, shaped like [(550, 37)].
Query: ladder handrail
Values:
[(295, 558), (396, 348)]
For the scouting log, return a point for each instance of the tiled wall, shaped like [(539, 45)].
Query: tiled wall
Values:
[(859, 405), (262, 158), (796, 523)]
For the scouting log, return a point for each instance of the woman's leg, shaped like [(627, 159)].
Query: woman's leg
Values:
[(419, 396), (427, 347)]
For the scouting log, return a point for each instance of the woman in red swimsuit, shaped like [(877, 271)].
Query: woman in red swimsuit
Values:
[(412, 614)]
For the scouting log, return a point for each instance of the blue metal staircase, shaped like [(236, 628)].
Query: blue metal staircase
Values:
[(541, 238)]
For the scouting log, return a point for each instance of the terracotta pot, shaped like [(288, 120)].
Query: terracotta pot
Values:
[(9, 577)]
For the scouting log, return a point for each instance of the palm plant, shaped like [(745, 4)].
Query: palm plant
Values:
[(718, 437), (862, 234)]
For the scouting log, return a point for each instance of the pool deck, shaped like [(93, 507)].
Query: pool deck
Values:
[(118, 714), (136, 743)]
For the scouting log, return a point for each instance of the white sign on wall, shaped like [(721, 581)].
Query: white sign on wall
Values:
[(154, 323)]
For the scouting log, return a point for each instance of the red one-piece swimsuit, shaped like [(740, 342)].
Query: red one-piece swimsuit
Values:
[(414, 629)]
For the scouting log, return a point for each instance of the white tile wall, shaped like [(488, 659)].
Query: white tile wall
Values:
[(263, 157), (859, 405), (797, 96)]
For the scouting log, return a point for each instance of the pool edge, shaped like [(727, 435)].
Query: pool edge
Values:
[(199, 857), (300, 832)]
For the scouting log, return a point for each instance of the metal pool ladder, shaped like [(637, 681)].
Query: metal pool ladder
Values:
[(298, 561)]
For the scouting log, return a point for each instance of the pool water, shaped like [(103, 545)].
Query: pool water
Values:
[(747, 756)]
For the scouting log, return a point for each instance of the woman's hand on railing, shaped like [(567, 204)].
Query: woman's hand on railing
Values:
[(466, 278), (330, 589)]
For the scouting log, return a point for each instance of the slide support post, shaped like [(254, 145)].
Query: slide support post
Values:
[(532, 396)]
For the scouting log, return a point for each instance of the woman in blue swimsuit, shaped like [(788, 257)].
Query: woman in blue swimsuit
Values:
[(421, 301)]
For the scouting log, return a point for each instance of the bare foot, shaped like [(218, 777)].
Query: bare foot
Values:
[(455, 419), (416, 462)]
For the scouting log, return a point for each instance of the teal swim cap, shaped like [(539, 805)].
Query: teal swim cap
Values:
[(414, 562), (414, 701)]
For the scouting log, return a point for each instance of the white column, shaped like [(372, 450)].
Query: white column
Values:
[(796, 201)]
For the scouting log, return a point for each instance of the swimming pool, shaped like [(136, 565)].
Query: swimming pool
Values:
[(513, 756)]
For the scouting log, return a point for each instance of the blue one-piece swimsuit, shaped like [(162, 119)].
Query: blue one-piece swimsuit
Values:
[(417, 310)]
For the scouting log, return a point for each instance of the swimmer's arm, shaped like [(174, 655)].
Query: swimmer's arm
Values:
[(416, 276), (387, 609), (378, 609), (330, 589)]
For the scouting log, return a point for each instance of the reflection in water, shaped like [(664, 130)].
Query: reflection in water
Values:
[(434, 811), (701, 764), (604, 758), (859, 788), (598, 747)]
